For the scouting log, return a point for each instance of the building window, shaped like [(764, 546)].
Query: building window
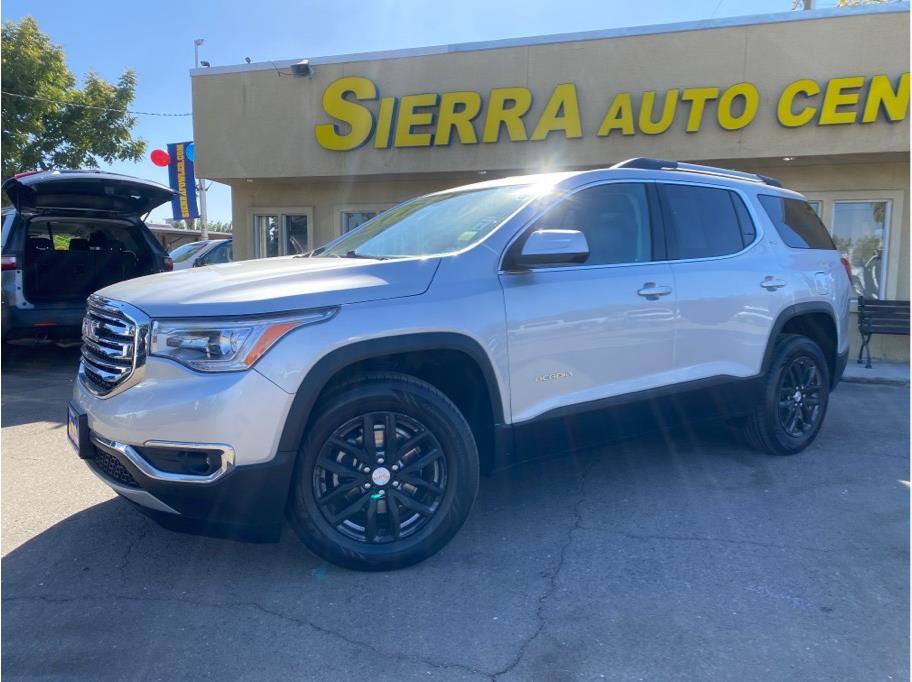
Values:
[(861, 233), (352, 219), (282, 232), (355, 215), (817, 207)]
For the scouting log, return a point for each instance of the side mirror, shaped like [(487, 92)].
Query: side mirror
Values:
[(198, 262), (552, 247)]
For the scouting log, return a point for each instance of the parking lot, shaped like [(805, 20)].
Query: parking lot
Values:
[(676, 556)]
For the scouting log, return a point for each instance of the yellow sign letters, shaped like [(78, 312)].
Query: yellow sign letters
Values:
[(437, 120)]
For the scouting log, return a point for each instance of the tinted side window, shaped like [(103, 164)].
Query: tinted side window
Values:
[(614, 218), (704, 222), (798, 224), (220, 254)]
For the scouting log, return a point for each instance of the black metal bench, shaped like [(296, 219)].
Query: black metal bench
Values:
[(880, 317)]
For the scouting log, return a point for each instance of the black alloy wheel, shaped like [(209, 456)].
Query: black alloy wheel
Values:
[(380, 477), (386, 475), (795, 395), (799, 397)]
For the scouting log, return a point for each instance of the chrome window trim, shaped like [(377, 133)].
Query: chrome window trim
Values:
[(745, 196), (124, 450)]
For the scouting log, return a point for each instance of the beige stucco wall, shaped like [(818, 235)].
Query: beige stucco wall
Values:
[(260, 124)]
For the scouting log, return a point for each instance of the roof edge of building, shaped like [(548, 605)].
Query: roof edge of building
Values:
[(601, 34)]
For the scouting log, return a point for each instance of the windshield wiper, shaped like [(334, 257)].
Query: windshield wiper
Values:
[(347, 254), (355, 254)]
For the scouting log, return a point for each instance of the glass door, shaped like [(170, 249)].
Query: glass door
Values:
[(861, 233), (296, 233), (266, 234)]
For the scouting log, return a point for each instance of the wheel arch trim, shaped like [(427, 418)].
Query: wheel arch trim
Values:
[(790, 313), (338, 359)]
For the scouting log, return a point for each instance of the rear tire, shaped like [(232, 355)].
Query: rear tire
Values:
[(796, 392), (396, 497)]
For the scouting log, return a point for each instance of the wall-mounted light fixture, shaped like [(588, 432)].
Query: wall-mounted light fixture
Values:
[(302, 68)]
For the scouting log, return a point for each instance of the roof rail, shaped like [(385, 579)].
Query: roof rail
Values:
[(660, 164)]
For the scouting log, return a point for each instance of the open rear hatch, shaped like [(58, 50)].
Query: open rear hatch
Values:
[(93, 192), (83, 231)]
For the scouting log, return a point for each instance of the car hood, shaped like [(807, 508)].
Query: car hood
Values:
[(273, 285)]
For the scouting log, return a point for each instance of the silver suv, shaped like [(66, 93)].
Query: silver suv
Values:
[(359, 389)]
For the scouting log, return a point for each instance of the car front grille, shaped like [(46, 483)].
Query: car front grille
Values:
[(113, 345), (107, 464)]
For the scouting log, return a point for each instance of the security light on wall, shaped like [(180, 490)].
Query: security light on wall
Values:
[(302, 68)]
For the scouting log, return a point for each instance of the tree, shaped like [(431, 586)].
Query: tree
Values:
[(212, 225), (219, 226), (47, 121)]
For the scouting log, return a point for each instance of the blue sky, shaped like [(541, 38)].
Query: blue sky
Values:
[(156, 39)]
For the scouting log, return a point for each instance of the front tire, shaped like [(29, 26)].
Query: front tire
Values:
[(796, 393), (386, 476)]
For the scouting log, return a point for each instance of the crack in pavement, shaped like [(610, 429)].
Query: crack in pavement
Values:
[(698, 538), (552, 578), (300, 622), (128, 550)]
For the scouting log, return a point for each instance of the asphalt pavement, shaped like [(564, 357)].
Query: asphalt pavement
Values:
[(673, 556)]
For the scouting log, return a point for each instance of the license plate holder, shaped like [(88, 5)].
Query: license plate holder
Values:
[(78, 431)]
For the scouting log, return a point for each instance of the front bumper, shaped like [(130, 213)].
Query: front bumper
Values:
[(246, 502), (239, 415)]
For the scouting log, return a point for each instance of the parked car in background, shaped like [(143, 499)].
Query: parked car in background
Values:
[(206, 252), (67, 234)]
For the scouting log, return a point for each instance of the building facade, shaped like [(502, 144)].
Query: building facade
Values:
[(818, 100)]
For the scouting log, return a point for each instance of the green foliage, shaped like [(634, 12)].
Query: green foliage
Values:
[(859, 251), (219, 226), (212, 225), (56, 129), (865, 248)]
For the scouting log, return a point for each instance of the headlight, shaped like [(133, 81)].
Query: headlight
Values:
[(213, 345)]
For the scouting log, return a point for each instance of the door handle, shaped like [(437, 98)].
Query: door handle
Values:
[(771, 283), (652, 291)]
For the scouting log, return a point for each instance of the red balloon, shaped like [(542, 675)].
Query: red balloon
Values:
[(160, 157)]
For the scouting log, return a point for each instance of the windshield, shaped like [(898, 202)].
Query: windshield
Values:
[(433, 225), (182, 253)]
